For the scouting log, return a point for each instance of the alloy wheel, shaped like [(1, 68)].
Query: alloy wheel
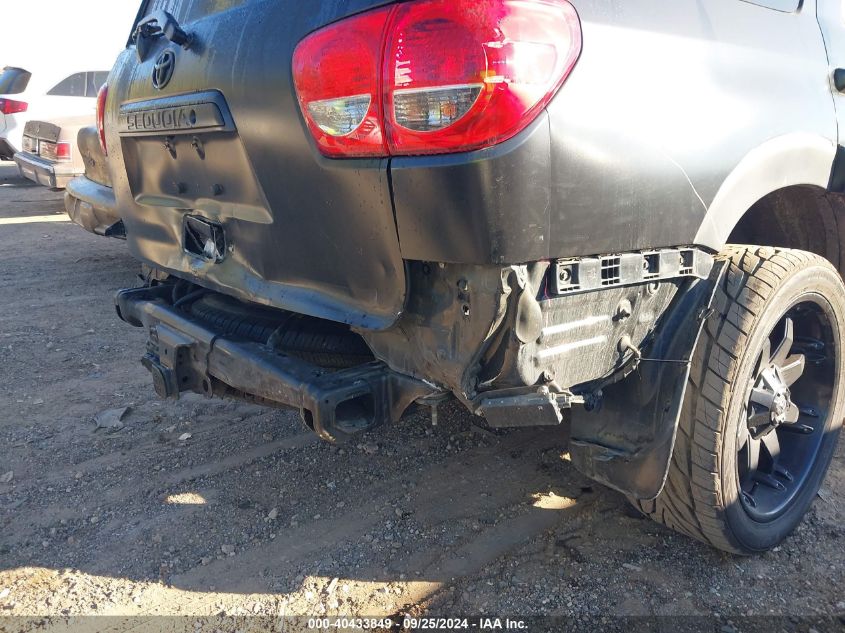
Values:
[(786, 412)]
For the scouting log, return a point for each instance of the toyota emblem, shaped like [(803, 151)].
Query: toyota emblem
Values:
[(163, 69)]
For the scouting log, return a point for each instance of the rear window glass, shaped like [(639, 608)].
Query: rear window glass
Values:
[(13, 81), (73, 86), (80, 84), (96, 81)]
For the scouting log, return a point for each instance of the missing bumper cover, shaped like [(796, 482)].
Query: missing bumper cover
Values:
[(186, 355)]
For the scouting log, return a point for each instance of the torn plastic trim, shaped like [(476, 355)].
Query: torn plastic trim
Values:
[(517, 408), (585, 274)]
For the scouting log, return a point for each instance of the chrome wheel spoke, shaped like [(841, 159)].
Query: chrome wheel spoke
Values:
[(752, 453), (782, 352), (792, 414), (792, 369), (772, 445), (765, 356), (762, 397)]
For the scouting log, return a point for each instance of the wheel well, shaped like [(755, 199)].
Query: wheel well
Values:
[(805, 217)]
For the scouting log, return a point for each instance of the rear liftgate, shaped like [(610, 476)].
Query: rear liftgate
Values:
[(187, 355)]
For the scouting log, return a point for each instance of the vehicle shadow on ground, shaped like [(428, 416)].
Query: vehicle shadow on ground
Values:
[(10, 176)]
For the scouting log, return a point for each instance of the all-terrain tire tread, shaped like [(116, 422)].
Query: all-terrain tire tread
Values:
[(691, 501)]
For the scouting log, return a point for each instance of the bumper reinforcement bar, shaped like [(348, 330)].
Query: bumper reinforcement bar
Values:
[(187, 355)]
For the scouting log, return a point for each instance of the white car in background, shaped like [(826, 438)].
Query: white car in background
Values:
[(70, 75), (48, 95), (13, 88)]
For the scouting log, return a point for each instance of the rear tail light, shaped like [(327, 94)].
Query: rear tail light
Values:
[(337, 73), (464, 74), (434, 76), (56, 152), (431, 109), (63, 150), (9, 106), (101, 116)]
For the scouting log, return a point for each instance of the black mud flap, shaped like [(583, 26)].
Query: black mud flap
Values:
[(626, 442)]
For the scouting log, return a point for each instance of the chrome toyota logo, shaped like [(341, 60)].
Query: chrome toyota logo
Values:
[(163, 69)]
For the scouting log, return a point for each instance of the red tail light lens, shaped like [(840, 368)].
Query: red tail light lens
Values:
[(56, 152), (63, 150), (464, 74), (102, 96), (336, 71), (434, 76), (9, 106)]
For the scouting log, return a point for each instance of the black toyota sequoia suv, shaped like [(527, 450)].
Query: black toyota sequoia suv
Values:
[(622, 215)]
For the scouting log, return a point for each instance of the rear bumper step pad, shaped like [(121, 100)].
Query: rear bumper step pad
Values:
[(186, 355)]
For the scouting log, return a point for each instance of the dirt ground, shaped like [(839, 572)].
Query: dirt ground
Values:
[(204, 507)]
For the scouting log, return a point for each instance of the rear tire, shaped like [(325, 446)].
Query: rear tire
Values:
[(741, 476)]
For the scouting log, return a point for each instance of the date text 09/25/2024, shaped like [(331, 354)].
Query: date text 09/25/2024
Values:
[(408, 623)]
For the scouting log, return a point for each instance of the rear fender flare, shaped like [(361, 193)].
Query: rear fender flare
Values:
[(784, 161)]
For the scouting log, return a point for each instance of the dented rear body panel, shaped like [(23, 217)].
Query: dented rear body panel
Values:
[(304, 233)]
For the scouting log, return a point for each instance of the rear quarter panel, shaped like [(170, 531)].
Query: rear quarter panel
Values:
[(676, 119), (666, 102), (95, 162)]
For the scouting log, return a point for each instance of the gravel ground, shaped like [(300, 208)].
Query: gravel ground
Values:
[(204, 507)]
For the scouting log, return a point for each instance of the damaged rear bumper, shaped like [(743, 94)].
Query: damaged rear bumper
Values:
[(518, 345), (92, 206), (187, 355)]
